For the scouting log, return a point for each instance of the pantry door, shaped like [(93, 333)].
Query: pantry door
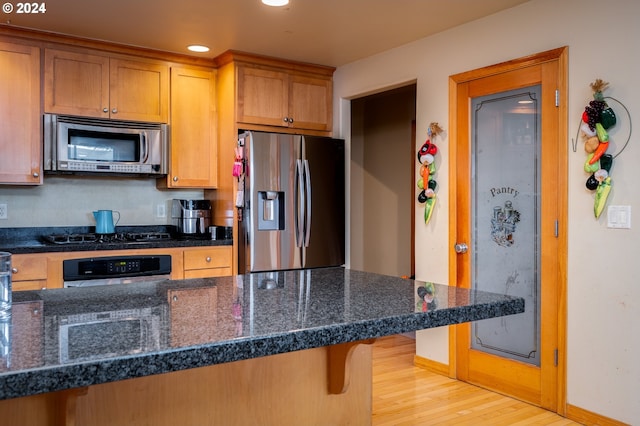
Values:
[(508, 222)]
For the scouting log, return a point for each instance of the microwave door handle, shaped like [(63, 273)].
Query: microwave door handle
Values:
[(145, 147)]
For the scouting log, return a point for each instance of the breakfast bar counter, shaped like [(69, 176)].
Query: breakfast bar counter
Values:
[(278, 347)]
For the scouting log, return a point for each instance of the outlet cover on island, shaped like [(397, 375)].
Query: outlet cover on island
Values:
[(3, 211), (619, 217)]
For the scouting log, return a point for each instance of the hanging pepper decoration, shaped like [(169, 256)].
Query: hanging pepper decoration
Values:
[(597, 118), (427, 184)]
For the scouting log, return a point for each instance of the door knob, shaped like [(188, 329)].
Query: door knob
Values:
[(461, 248)]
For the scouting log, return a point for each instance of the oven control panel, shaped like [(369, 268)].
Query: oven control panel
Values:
[(115, 267)]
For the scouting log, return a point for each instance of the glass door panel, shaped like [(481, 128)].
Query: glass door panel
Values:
[(505, 218)]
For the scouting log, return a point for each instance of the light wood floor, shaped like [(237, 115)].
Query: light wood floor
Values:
[(407, 395)]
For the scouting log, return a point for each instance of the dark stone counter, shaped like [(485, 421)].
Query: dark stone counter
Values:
[(85, 336)]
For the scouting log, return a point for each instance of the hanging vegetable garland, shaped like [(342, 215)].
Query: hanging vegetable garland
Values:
[(597, 118), (427, 184)]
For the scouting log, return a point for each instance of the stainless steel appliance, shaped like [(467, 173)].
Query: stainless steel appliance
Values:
[(87, 145), (294, 202), (192, 217), (111, 270)]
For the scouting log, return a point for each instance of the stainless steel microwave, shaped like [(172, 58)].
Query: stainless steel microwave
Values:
[(88, 145)]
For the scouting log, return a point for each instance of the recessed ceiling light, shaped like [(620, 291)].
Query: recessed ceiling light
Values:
[(275, 2), (198, 48)]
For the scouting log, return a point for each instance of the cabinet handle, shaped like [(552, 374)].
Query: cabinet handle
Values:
[(105, 109), (36, 174), (286, 119), (14, 270), (208, 259), (175, 298), (290, 120), (114, 111), (175, 178)]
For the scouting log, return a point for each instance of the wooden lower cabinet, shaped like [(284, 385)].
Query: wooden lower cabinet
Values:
[(207, 262), (29, 272), (44, 270), (285, 389)]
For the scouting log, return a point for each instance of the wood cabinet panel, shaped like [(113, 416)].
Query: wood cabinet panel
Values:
[(139, 91), (284, 98), (76, 84), (205, 258), (263, 96), (311, 102), (28, 267), (193, 160), (20, 138), (95, 85)]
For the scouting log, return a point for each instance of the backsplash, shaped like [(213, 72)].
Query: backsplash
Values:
[(70, 201)]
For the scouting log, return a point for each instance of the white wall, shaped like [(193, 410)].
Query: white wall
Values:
[(70, 201), (603, 374)]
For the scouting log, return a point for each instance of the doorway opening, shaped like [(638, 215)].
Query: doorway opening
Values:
[(383, 182)]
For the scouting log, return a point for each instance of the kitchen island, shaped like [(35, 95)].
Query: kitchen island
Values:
[(267, 348)]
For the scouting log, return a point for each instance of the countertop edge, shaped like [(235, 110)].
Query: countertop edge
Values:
[(47, 379)]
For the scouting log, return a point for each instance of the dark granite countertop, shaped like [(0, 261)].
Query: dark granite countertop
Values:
[(75, 337), (30, 240)]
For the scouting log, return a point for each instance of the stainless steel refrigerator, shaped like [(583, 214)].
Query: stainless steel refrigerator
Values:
[(294, 202)]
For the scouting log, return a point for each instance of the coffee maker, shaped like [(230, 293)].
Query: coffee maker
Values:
[(192, 218)]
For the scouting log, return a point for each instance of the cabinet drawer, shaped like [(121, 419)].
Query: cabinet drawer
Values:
[(28, 267), (205, 258)]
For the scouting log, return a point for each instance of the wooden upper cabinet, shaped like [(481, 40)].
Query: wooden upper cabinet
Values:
[(263, 96), (193, 159), (310, 102), (21, 135), (284, 98), (139, 91), (76, 84), (94, 85)]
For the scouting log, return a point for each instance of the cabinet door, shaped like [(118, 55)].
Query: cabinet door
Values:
[(263, 96), (310, 102), (76, 84), (193, 313), (193, 162), (29, 272), (139, 91), (20, 138)]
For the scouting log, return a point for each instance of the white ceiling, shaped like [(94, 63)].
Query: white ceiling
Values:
[(328, 32)]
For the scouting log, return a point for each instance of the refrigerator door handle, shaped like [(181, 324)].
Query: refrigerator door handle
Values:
[(299, 213), (307, 227)]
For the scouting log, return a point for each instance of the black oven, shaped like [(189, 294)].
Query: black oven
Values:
[(115, 270)]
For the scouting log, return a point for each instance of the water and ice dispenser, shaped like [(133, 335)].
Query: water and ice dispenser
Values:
[(270, 210)]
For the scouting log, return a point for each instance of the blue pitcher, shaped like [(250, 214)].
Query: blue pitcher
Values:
[(104, 221)]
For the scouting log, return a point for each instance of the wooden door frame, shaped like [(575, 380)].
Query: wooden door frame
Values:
[(457, 126)]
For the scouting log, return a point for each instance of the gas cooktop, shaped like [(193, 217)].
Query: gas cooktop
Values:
[(124, 237)]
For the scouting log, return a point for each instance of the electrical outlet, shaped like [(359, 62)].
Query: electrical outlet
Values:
[(161, 211), (3, 211)]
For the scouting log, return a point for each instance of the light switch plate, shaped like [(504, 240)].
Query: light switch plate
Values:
[(619, 217)]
